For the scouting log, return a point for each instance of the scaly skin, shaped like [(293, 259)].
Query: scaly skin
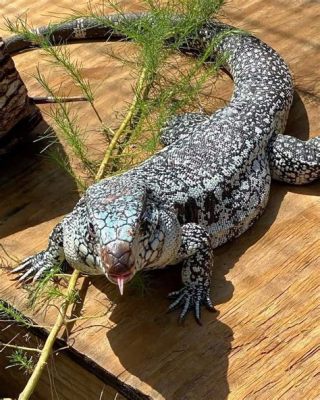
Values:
[(206, 187)]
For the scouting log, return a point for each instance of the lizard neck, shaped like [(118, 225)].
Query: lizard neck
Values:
[(160, 245)]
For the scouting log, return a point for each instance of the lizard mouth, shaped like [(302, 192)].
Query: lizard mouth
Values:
[(120, 279)]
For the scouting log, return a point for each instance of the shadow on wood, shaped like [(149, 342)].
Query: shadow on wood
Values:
[(36, 188)]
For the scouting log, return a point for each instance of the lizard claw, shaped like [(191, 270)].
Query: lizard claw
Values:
[(22, 265), (34, 267), (191, 297)]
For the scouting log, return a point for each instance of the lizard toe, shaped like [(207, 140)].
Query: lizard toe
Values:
[(197, 313), (178, 299), (185, 308), (23, 265), (191, 297), (34, 267), (208, 304)]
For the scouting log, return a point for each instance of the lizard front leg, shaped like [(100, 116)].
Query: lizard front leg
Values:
[(39, 263), (196, 251)]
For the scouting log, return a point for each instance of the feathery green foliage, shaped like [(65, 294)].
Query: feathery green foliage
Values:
[(9, 313), (19, 358), (65, 119), (159, 33), (166, 89), (47, 289)]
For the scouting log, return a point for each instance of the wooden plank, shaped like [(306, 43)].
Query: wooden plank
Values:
[(264, 342), (58, 380)]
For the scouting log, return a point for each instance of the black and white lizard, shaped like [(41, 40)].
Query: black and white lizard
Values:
[(207, 186)]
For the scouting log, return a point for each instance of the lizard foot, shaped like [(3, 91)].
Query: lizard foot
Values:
[(35, 266), (191, 297)]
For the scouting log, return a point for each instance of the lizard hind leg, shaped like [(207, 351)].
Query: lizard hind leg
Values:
[(196, 252), (294, 161)]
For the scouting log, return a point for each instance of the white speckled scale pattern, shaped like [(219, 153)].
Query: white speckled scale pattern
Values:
[(206, 187)]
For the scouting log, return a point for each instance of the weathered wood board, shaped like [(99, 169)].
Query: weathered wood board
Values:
[(63, 379), (264, 343)]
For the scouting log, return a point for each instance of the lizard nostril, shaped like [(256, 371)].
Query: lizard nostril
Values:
[(106, 257), (116, 257)]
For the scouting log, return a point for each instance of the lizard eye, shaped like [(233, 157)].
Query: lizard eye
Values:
[(91, 230), (149, 219), (144, 221)]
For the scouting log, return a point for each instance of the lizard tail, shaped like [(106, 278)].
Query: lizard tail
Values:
[(262, 79), (74, 31)]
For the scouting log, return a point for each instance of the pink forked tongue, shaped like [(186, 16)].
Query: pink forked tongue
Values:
[(120, 284)]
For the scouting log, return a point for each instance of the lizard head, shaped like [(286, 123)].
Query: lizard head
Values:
[(122, 219)]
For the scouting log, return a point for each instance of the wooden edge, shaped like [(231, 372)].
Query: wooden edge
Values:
[(85, 362)]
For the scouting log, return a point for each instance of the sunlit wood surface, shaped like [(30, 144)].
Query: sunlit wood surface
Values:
[(264, 343)]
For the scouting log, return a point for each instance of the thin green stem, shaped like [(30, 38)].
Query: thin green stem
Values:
[(132, 109), (47, 348), (13, 346)]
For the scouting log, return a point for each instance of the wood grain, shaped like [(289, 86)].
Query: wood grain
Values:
[(264, 343), (17, 112)]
